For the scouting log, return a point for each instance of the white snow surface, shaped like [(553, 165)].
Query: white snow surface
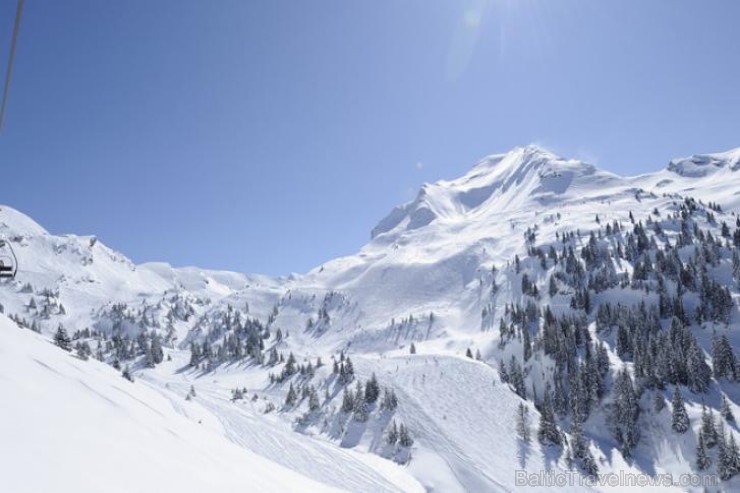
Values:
[(88, 429), (69, 425)]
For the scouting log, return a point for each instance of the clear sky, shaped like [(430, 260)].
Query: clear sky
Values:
[(270, 136)]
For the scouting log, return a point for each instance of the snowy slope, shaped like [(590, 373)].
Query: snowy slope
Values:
[(437, 273), (71, 425)]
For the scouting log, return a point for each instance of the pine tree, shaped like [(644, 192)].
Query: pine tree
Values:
[(313, 400), (680, 419), (723, 462), (404, 437), (348, 401), (390, 401), (588, 464), (548, 433), (728, 456), (148, 358), (569, 458), (372, 390), (516, 377), (702, 459), (83, 351), (723, 358), (359, 409), (195, 354), (126, 373), (290, 366), (522, 422), (156, 349), (626, 412), (527, 344), (699, 372), (392, 436), (733, 456), (708, 427), (292, 397), (578, 444), (726, 411), (346, 371), (559, 403), (61, 338)]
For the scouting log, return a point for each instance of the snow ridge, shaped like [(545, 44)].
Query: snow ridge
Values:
[(446, 306)]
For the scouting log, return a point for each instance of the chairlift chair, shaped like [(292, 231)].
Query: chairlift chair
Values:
[(8, 261)]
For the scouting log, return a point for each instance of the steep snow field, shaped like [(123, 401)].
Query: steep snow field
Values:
[(438, 274), (71, 425)]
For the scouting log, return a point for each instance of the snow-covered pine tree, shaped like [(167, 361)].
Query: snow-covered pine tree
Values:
[(726, 411), (723, 358), (360, 411), (156, 349), (526, 343), (126, 373), (292, 397), (733, 456), (626, 411), (372, 390), (559, 402), (728, 456), (313, 400), (61, 338), (578, 442), (569, 458), (680, 419), (346, 371), (348, 401), (553, 287), (708, 427), (699, 372), (83, 350), (392, 435), (702, 458), (722, 452), (588, 464), (516, 377), (389, 401), (548, 433), (290, 366), (404, 437), (522, 422)]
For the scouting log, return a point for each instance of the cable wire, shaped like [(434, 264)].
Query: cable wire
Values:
[(11, 59)]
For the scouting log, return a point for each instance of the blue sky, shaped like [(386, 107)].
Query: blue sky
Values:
[(270, 136)]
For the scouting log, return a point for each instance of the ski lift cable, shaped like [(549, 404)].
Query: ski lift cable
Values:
[(11, 59)]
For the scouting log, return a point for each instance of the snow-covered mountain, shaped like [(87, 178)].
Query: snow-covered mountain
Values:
[(532, 285)]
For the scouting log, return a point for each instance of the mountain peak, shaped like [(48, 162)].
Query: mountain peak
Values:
[(519, 163), (510, 180), (701, 165), (14, 223)]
